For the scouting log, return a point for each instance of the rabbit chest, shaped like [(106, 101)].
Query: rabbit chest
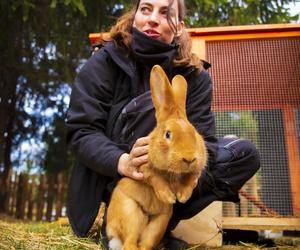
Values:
[(144, 195)]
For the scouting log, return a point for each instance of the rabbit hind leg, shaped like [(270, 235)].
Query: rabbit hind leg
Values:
[(114, 241), (135, 222), (154, 232), (115, 244)]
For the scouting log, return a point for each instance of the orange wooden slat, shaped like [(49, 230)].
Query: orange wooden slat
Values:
[(293, 157)]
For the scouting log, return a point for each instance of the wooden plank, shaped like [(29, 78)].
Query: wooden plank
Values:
[(252, 106), (261, 35), (244, 29), (228, 32), (98, 37), (249, 223)]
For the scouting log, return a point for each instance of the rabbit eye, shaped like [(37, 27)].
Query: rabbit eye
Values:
[(168, 135)]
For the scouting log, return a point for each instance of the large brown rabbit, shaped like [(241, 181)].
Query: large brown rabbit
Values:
[(139, 211)]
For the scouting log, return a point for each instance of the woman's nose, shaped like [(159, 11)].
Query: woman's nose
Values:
[(154, 17)]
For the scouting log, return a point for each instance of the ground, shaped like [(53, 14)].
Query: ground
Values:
[(15, 234)]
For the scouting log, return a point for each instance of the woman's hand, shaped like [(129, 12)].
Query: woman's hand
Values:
[(129, 164)]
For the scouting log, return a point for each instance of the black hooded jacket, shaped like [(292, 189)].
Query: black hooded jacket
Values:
[(107, 82)]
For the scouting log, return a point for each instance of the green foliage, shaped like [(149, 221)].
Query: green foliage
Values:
[(238, 123), (76, 4), (58, 157), (204, 13)]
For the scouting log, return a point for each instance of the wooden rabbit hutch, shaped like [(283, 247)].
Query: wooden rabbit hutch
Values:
[(256, 77)]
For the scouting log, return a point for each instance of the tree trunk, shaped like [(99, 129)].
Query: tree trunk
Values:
[(60, 195), (40, 198), (51, 195), (31, 197), (22, 196), (7, 115), (14, 194)]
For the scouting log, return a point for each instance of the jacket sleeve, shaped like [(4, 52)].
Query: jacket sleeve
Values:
[(90, 103), (199, 100)]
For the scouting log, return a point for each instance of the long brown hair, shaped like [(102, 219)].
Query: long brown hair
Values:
[(121, 34)]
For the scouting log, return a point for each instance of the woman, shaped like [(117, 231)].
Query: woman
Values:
[(110, 116)]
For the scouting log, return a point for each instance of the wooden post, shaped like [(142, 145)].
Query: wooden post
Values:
[(198, 47), (229, 209), (252, 189), (243, 207), (293, 156)]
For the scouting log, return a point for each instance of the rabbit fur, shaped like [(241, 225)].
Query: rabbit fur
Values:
[(139, 211)]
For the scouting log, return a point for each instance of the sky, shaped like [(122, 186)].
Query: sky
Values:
[(295, 8)]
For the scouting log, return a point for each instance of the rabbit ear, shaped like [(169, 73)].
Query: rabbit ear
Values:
[(179, 90), (161, 92)]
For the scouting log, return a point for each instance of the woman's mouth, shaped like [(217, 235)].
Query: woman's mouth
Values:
[(152, 33)]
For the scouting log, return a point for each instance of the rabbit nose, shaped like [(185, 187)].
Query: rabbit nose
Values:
[(188, 161)]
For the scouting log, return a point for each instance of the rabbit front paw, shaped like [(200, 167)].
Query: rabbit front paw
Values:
[(166, 196), (184, 194)]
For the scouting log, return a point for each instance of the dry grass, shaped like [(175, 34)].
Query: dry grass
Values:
[(15, 234), (40, 235)]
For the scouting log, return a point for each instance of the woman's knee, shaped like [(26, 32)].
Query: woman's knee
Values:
[(249, 146), (242, 148), (234, 149), (243, 153), (251, 151)]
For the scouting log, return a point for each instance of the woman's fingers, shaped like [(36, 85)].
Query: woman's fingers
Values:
[(143, 141), (138, 161), (137, 157), (139, 151), (137, 175), (129, 164)]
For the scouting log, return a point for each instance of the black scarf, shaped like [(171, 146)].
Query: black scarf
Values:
[(150, 51)]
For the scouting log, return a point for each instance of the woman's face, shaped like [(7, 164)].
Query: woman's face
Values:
[(151, 18)]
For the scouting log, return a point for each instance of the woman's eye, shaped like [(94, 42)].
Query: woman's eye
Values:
[(168, 135), (145, 9), (164, 12)]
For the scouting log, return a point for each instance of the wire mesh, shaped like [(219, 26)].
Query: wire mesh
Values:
[(256, 84)]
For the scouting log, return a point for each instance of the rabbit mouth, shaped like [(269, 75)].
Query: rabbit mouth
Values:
[(184, 167)]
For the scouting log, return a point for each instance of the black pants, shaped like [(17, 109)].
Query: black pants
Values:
[(237, 161)]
